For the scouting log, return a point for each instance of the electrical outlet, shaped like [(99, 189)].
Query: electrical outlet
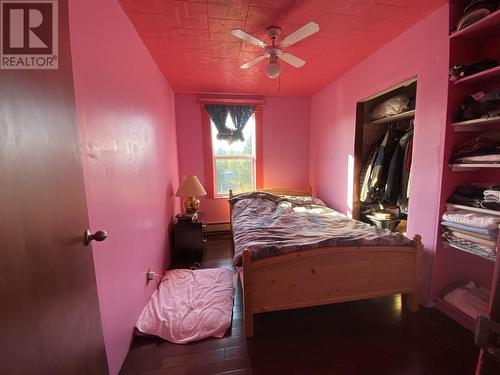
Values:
[(150, 275)]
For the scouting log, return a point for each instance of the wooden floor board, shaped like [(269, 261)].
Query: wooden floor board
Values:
[(363, 337)]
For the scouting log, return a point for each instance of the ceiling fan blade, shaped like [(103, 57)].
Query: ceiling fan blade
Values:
[(306, 30), (292, 60), (253, 61), (248, 38)]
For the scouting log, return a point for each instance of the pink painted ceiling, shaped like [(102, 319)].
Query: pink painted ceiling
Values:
[(192, 44)]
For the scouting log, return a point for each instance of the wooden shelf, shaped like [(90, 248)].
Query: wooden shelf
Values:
[(453, 207), (486, 75), (400, 116), (467, 44), (488, 26), (472, 166), (479, 254), (455, 313), (475, 125)]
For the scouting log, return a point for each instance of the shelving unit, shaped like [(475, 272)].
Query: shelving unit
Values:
[(476, 125), (455, 313), (486, 75), (368, 134), (470, 251), (454, 263), (472, 166), (482, 27), (453, 207), (398, 117)]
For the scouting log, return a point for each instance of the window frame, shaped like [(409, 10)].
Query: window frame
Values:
[(209, 157), (244, 157)]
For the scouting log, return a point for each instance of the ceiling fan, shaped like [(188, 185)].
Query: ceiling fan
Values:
[(275, 52)]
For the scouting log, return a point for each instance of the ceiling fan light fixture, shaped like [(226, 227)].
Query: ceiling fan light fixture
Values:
[(274, 50), (273, 70)]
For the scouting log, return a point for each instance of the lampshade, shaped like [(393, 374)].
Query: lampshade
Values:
[(190, 187)]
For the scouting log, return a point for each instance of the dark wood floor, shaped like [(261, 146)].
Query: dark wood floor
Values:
[(365, 337)]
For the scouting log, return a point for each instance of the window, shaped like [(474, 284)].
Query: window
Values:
[(234, 164)]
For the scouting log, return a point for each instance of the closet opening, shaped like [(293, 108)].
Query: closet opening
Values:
[(383, 156)]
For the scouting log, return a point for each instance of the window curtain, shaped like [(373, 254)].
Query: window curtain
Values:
[(218, 114), (239, 114)]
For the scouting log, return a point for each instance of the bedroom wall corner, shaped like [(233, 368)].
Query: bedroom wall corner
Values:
[(126, 120)]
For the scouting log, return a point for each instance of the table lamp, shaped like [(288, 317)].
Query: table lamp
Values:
[(190, 188)]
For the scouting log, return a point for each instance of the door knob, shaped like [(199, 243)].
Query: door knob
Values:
[(100, 235)]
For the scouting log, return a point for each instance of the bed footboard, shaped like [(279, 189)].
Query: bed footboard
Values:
[(329, 275)]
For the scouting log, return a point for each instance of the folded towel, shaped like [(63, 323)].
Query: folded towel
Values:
[(492, 193), (467, 244), (493, 236), (491, 198), (472, 219), (470, 237), (489, 233)]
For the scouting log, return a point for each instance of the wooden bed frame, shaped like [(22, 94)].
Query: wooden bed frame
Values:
[(328, 275)]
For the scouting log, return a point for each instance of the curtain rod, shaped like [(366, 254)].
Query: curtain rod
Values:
[(259, 102)]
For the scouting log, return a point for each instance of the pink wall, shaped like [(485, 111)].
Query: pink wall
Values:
[(126, 118), (421, 51), (286, 141), (285, 146)]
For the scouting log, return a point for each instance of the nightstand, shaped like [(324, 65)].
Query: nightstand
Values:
[(188, 239)]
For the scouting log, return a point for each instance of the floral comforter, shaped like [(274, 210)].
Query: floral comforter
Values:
[(267, 225)]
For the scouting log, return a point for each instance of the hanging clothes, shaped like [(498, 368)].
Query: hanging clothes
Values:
[(365, 173), (397, 167), (404, 195), (374, 184)]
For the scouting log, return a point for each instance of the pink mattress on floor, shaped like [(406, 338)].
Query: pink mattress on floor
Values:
[(190, 305)]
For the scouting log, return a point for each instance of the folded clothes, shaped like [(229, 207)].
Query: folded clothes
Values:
[(473, 190), (384, 215), (479, 105), (490, 205), (481, 253), (487, 158), (489, 199), (489, 237), (465, 201), (472, 219), (463, 70), (492, 193), (475, 146), (485, 233), (492, 243), (469, 195), (469, 299), (468, 245)]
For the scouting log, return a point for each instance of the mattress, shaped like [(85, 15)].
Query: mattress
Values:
[(269, 225), (190, 305)]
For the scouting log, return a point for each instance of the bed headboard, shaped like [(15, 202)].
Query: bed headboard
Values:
[(281, 191)]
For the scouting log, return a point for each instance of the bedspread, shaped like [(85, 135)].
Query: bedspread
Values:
[(267, 225)]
